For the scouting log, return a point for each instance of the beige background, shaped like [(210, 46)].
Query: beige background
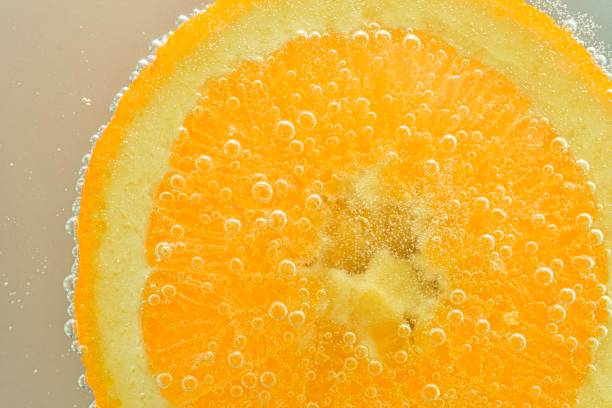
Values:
[(61, 62)]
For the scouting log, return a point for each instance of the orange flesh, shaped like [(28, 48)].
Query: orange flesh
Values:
[(507, 228)]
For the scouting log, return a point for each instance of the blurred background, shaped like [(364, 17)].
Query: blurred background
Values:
[(61, 64)]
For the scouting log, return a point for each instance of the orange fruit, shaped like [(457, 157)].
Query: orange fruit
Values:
[(352, 203)]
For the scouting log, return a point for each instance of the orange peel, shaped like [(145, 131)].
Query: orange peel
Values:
[(352, 203)]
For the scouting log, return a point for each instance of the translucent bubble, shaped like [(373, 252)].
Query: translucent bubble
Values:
[(487, 242), (69, 328), (232, 227), (307, 120), (360, 37), (556, 313), (235, 359), (69, 282), (448, 143), (163, 380), (412, 42), (403, 132), (285, 130), (249, 380), (482, 327), (236, 265), (278, 220), (382, 35), (431, 167), (559, 144), (349, 337), (597, 236), (262, 192), (400, 357), (570, 25), (583, 165), (313, 202), (163, 250), (168, 290), (297, 318), (296, 147), (350, 363), (375, 368), (232, 148), (189, 383), (584, 220), (197, 263), (287, 269), (457, 296), (71, 225), (438, 336), (544, 276), (177, 182), (177, 231), (431, 392), (153, 299), (204, 163), (455, 316), (277, 311), (583, 263), (404, 331), (517, 342), (267, 379)]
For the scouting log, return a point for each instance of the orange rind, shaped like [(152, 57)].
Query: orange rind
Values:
[(352, 203)]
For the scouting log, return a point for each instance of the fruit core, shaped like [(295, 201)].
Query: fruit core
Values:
[(371, 219)]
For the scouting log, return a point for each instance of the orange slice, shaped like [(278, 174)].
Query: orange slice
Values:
[(352, 203)]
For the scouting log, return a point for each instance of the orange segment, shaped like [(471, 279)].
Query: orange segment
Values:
[(371, 220), (419, 218)]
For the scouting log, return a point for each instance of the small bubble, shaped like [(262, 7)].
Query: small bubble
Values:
[(570, 25), (278, 220), (287, 269), (412, 42), (487, 242), (431, 392), (204, 163), (296, 147), (556, 313), (285, 130), (277, 311), (517, 342), (163, 380), (307, 120), (236, 265), (262, 192), (431, 167), (232, 148), (153, 299), (232, 227), (457, 296), (544, 276), (177, 182), (438, 336), (350, 363), (382, 35), (448, 143), (235, 359), (375, 368), (583, 263), (361, 37), (297, 318), (189, 383), (482, 327), (404, 331), (313, 202), (267, 379), (349, 338), (584, 166)]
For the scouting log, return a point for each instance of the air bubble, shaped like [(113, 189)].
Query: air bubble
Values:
[(457, 296), (361, 37), (232, 227), (583, 263), (431, 167), (544, 276), (189, 383), (307, 120), (235, 359), (313, 202), (297, 318), (285, 130), (404, 331), (403, 132), (277, 311), (448, 143), (517, 342), (262, 192), (431, 392), (570, 25), (236, 265), (232, 148), (163, 380), (287, 269), (482, 327), (556, 313), (487, 242), (204, 163), (375, 368), (177, 182), (267, 379), (438, 336), (412, 42), (278, 220)]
